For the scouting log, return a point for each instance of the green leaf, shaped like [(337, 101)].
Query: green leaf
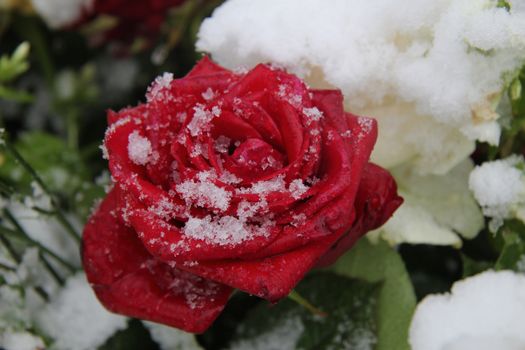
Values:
[(512, 256), (60, 167), (381, 263), (350, 305), (15, 95), (472, 267)]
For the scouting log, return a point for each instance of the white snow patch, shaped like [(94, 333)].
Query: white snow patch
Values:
[(448, 59), (224, 230), (11, 340), (499, 187), (483, 312), (75, 319)]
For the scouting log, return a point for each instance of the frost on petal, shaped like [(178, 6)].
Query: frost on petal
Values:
[(76, 320), (170, 338), (437, 208), (499, 187), (448, 59), (480, 313)]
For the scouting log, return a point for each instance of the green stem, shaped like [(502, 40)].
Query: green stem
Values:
[(7, 268), (29, 29), (29, 240), (72, 130), (16, 257), (10, 249), (306, 304), (59, 214)]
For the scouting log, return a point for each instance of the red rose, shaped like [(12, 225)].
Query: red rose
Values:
[(229, 180)]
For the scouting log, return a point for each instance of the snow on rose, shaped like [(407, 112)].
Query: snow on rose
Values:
[(229, 180)]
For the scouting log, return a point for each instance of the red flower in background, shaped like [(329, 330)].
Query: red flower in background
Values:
[(132, 19), (226, 180), (135, 18)]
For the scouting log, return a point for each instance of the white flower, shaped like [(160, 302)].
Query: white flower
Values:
[(431, 71), (438, 209), (60, 13), (484, 312), (499, 187)]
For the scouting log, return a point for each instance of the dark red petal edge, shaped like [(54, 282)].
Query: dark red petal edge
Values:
[(376, 201), (129, 281)]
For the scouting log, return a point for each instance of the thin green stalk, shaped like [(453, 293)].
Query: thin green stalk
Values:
[(10, 249), (44, 249), (16, 257), (44, 260), (7, 268), (59, 214), (59, 279), (306, 304), (72, 129)]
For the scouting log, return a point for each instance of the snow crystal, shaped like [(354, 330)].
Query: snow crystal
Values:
[(229, 178), (157, 90), (247, 210), (276, 184), (208, 95), (170, 338), (297, 188), (139, 148), (313, 114), (203, 192), (499, 187), (201, 119), (76, 320), (447, 59), (298, 220), (223, 230), (222, 144), (481, 312), (59, 13), (10, 340)]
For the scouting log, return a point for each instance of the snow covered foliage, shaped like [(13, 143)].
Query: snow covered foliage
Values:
[(499, 187), (483, 312), (430, 71)]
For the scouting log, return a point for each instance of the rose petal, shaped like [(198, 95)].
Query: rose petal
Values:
[(375, 203), (128, 280)]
